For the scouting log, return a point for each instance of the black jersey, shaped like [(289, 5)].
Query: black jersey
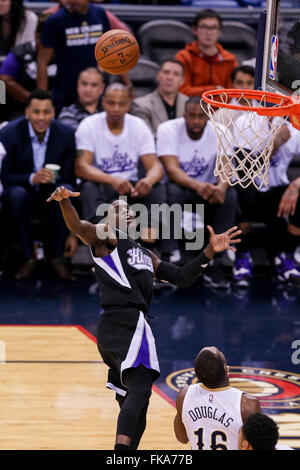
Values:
[(125, 276)]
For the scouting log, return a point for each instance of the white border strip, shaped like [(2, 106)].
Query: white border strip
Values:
[(152, 348)]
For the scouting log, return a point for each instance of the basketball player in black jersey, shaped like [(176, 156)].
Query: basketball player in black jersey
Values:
[(124, 271)]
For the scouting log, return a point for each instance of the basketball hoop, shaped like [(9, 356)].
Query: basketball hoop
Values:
[(246, 123)]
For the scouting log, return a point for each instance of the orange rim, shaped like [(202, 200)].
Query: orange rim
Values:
[(286, 104)]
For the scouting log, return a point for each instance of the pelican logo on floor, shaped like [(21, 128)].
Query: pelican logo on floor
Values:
[(275, 389)]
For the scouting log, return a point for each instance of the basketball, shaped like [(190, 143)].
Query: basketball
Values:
[(117, 51)]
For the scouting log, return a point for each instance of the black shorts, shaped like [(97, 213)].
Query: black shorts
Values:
[(125, 340)]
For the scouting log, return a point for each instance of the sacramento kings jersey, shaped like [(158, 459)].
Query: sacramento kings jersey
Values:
[(212, 417), (125, 276)]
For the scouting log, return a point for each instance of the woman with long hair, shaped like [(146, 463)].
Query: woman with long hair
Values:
[(17, 25)]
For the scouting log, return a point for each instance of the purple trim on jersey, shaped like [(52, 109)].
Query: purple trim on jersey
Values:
[(108, 260), (10, 66), (143, 354)]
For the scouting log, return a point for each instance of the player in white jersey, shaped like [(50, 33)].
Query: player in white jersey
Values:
[(260, 432), (210, 413)]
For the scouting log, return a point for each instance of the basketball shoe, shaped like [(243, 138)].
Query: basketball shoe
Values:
[(243, 269), (286, 269)]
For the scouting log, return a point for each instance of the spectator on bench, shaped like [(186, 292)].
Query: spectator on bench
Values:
[(188, 148), (165, 102), (109, 147), (278, 206), (27, 183), (206, 63), (90, 87), (242, 78)]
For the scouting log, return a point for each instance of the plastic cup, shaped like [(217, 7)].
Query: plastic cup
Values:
[(55, 170)]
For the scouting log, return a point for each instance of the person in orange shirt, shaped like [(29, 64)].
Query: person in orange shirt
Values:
[(207, 64)]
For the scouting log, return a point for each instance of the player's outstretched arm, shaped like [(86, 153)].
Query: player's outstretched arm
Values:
[(81, 228), (187, 275)]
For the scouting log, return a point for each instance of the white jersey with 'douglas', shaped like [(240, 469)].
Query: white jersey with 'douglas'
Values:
[(212, 417)]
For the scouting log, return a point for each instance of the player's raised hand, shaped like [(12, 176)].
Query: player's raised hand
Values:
[(62, 193), (224, 240)]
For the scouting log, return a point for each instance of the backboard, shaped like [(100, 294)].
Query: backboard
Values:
[(278, 49)]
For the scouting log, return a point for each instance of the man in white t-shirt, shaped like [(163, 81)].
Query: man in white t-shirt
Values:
[(110, 146), (210, 413), (278, 206), (187, 147)]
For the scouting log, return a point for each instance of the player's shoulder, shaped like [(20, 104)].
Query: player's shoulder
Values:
[(249, 405), (247, 397)]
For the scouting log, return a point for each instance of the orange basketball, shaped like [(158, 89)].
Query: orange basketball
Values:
[(117, 51)]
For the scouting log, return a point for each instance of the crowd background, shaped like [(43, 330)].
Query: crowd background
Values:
[(51, 80)]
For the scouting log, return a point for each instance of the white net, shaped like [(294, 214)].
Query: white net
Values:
[(245, 141)]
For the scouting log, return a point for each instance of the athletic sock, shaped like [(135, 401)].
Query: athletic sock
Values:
[(121, 447)]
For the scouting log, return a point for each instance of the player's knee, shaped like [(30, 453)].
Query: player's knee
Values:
[(139, 385)]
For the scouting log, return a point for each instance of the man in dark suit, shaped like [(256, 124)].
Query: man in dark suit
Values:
[(164, 102), (32, 142)]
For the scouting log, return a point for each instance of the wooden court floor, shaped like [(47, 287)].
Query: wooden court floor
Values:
[(53, 394)]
